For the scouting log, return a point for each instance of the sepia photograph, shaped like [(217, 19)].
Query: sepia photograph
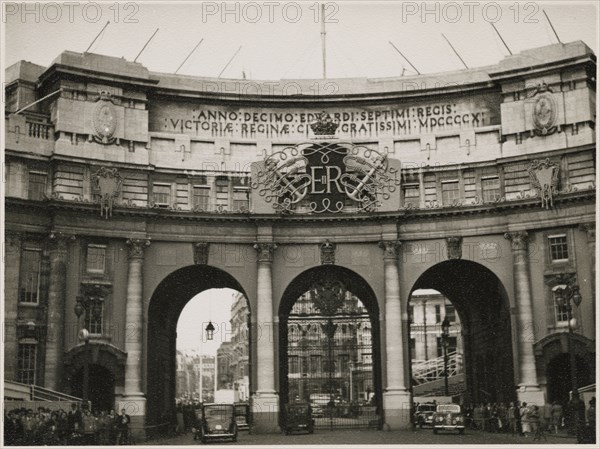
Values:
[(299, 223)]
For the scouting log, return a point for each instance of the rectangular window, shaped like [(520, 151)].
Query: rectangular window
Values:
[(29, 283), (561, 315), (559, 251), (96, 259), (344, 365), (450, 313), (222, 191), (93, 317), (26, 363), (161, 194), (37, 185), (449, 192), (411, 193), (490, 187), (201, 197), (240, 199), (438, 314), (293, 364)]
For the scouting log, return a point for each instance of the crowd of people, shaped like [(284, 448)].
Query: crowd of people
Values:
[(529, 419), (79, 426)]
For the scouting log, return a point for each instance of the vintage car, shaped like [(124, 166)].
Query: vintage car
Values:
[(298, 417), (216, 422), (448, 417), (424, 414), (242, 415)]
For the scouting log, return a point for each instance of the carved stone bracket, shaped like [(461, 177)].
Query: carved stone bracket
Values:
[(265, 251), (454, 247), (201, 253), (518, 239), (561, 279), (390, 249), (327, 253), (590, 229), (136, 248)]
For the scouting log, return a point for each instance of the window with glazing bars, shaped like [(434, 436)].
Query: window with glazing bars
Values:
[(96, 258), (559, 250), (93, 317), (490, 188), (37, 186), (29, 283), (450, 192), (201, 197), (26, 363), (161, 194)]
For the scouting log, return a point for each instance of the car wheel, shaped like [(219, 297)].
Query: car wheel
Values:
[(461, 431), (435, 431)]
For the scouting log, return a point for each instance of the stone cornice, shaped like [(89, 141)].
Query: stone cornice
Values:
[(402, 215)]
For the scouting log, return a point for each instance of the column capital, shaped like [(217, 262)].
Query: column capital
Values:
[(390, 249), (201, 253), (13, 238), (454, 247), (136, 248), (265, 251), (519, 239), (590, 229)]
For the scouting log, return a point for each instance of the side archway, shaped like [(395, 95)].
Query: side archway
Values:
[(483, 306), (166, 304)]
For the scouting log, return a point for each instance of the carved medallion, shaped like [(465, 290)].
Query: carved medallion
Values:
[(104, 119), (545, 111)]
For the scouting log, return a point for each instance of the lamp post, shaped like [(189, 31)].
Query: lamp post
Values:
[(564, 294), (81, 304), (445, 342)]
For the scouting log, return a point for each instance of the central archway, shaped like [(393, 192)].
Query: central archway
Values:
[(329, 348), (482, 304), (166, 304)]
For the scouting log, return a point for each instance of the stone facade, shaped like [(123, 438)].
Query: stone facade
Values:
[(460, 202)]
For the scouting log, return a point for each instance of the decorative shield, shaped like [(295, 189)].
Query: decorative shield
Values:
[(544, 177), (108, 182), (104, 119)]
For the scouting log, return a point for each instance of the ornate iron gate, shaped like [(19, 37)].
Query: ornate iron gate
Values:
[(330, 357)]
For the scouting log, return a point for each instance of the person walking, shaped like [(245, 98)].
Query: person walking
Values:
[(524, 412)]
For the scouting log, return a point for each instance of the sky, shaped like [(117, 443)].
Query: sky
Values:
[(282, 40), (212, 305)]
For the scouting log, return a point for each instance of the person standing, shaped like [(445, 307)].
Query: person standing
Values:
[(556, 411), (524, 412), (123, 421)]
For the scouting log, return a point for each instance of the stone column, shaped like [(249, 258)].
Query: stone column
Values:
[(134, 400), (55, 345), (529, 390), (12, 265), (396, 397), (590, 229), (265, 403)]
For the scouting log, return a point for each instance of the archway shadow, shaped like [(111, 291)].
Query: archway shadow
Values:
[(166, 304), (483, 306)]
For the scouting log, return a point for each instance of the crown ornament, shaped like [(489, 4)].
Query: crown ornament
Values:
[(323, 125)]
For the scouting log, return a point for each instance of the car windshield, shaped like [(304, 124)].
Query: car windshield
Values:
[(449, 408), (214, 414)]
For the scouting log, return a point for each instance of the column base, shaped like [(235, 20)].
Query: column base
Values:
[(397, 409), (265, 413), (135, 407), (532, 394)]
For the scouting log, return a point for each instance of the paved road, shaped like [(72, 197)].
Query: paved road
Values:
[(362, 437)]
